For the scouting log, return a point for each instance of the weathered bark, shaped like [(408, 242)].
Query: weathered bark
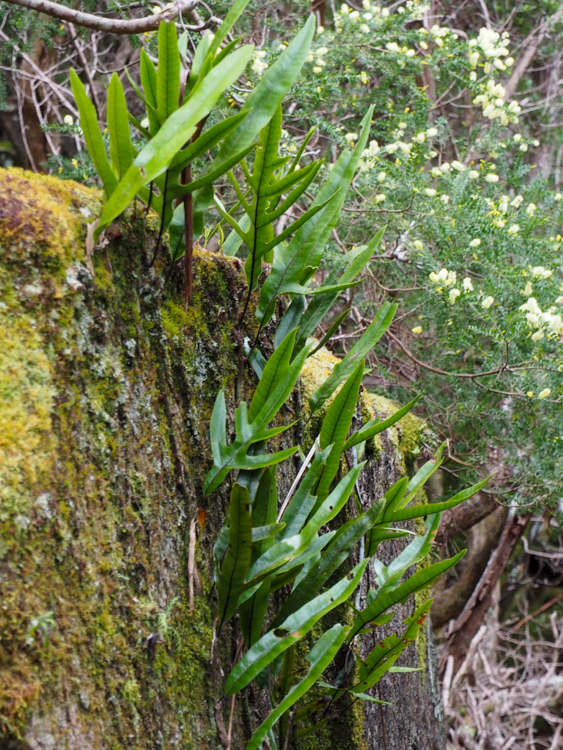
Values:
[(464, 629), (482, 540), (464, 516), (108, 387)]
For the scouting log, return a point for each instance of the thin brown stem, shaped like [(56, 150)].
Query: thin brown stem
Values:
[(108, 25)]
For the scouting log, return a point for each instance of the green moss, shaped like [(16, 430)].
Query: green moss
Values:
[(109, 385), (174, 318), (100, 404), (406, 435), (27, 395)]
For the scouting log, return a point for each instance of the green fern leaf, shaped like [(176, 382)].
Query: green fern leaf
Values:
[(292, 630), (237, 558)]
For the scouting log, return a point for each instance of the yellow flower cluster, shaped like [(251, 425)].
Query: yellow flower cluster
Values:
[(493, 47), (317, 56), (258, 64), (445, 279)]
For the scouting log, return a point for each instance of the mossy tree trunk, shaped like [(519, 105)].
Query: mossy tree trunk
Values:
[(107, 387)]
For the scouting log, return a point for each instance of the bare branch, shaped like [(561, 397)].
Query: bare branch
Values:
[(107, 25), (525, 60), (462, 630)]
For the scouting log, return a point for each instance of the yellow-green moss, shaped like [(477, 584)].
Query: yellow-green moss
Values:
[(406, 434), (116, 384), (91, 516), (44, 212), (27, 397), (17, 693), (316, 370)]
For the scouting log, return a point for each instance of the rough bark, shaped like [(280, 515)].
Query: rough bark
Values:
[(464, 516), (108, 386), (463, 630), (482, 540)]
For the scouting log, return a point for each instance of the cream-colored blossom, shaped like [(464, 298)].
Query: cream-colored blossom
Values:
[(539, 272)]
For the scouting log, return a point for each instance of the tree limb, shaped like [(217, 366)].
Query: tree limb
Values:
[(107, 25), (463, 629), (525, 60), (437, 370), (482, 540), (464, 516)]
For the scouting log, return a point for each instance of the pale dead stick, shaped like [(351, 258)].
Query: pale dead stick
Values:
[(302, 470), (191, 563), (447, 682), (470, 656), (90, 229)]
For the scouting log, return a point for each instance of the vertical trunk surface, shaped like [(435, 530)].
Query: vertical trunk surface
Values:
[(107, 387)]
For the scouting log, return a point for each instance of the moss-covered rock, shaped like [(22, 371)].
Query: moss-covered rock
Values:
[(107, 386)]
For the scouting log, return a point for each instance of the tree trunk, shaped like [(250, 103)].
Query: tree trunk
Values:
[(108, 386)]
